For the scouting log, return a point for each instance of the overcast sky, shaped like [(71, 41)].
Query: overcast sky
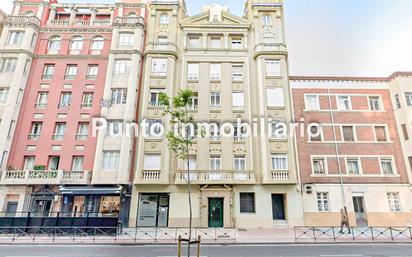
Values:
[(335, 37)]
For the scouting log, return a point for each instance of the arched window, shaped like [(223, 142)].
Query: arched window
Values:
[(28, 13), (54, 43), (164, 18), (131, 15), (76, 43), (266, 20), (97, 43)]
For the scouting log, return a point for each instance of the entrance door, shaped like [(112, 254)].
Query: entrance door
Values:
[(278, 207), (358, 206), (215, 212), (42, 207)]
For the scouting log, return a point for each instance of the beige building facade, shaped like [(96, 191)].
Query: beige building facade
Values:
[(237, 68)]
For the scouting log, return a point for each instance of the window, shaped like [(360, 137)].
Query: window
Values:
[(312, 102), (92, 71), (59, 130), (65, 100), (19, 96), (42, 100), (380, 133), (152, 162), (110, 160), (323, 201), (48, 71), (394, 201), (215, 71), (164, 18), (82, 131), (343, 102), (154, 96), (275, 97), (4, 95), (26, 66), (114, 128), (215, 131), (15, 37), (11, 129), (240, 163), (374, 103), (318, 166), (71, 72), (8, 64), (215, 99), (35, 130), (237, 72), (119, 96), (54, 162), (29, 162), (153, 128), (76, 43), (238, 100), (272, 68), (192, 71), (3, 159), (315, 133), (408, 97), (247, 202), (126, 39), (214, 162), (77, 163), (87, 100), (215, 42), (194, 101), (236, 42), (266, 20), (97, 44), (397, 101), (122, 66), (278, 130), (279, 162), (54, 43), (159, 67), (348, 134), (405, 132), (386, 166), (192, 163), (194, 42), (352, 166)]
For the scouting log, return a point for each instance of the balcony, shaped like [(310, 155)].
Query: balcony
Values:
[(216, 177), (40, 177), (281, 177), (129, 21), (33, 136), (81, 23), (161, 47), (150, 176), (91, 77), (40, 106), (22, 20), (270, 48), (46, 76), (69, 77)]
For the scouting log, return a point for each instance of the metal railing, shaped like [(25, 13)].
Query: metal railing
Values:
[(110, 234), (358, 234)]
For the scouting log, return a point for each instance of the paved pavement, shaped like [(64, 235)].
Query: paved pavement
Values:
[(356, 250)]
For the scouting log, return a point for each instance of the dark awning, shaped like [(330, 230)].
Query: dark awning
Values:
[(90, 190)]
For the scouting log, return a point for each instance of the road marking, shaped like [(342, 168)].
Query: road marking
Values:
[(340, 255)]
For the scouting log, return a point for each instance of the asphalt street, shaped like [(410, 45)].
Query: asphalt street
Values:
[(336, 250)]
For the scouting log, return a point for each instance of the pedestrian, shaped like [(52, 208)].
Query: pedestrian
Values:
[(344, 220)]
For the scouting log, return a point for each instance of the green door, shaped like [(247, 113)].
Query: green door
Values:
[(215, 212)]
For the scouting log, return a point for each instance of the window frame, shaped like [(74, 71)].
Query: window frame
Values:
[(251, 208)]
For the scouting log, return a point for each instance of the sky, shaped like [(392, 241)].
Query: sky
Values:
[(334, 37)]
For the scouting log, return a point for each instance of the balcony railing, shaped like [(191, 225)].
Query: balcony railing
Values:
[(215, 107), (60, 22), (23, 19), (91, 77), (81, 23), (280, 176), (40, 106), (33, 136), (86, 105), (46, 76), (161, 46), (216, 177), (270, 47), (58, 137), (81, 136), (127, 21), (150, 175), (102, 22), (37, 177), (69, 77)]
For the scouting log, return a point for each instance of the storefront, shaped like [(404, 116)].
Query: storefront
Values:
[(153, 210)]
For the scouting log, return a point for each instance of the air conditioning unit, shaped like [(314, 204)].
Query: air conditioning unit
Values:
[(308, 188)]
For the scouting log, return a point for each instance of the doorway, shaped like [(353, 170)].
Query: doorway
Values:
[(278, 207), (359, 208), (215, 212), (11, 209), (41, 207), (153, 210)]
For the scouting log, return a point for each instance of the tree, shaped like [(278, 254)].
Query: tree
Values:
[(179, 140)]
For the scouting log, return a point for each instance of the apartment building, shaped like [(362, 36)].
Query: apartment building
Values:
[(356, 161), (237, 69), (81, 61)]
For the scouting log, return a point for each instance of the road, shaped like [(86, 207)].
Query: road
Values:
[(336, 250)]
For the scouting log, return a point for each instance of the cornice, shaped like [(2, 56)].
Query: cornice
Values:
[(66, 56), (355, 79), (126, 52), (16, 51)]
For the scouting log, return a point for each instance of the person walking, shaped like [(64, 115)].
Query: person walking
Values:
[(344, 220)]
